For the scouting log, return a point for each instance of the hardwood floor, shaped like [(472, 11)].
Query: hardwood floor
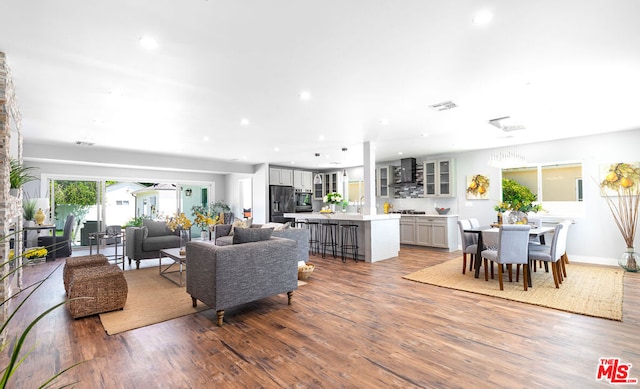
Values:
[(354, 325)]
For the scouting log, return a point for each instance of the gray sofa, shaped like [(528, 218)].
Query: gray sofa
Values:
[(226, 276), (300, 235), (146, 242)]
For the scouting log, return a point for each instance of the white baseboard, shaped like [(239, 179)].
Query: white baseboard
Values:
[(593, 260)]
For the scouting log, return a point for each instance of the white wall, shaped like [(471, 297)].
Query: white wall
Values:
[(594, 237)]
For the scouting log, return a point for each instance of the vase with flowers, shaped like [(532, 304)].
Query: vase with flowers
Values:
[(179, 221), (205, 222), (332, 198), (621, 189)]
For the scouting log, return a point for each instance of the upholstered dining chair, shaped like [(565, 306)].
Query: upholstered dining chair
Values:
[(553, 253), (469, 243), (512, 248), (63, 243)]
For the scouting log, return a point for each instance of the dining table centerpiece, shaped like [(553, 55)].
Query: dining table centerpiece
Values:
[(332, 198), (520, 201), (621, 189)]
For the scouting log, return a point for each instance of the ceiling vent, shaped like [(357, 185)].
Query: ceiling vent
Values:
[(506, 124), (444, 106), (84, 143)]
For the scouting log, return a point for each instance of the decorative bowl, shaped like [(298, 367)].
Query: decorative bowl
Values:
[(305, 271), (442, 211)]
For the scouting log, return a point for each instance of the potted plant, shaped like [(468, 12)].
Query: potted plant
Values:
[(520, 200), (29, 208), (19, 175)]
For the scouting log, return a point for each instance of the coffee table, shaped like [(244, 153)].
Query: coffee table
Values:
[(178, 259)]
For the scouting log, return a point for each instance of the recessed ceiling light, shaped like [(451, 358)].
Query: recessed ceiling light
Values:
[(482, 18), (384, 121), (148, 43), (400, 153), (244, 121), (424, 135), (206, 138), (321, 137), (305, 95), (276, 149)]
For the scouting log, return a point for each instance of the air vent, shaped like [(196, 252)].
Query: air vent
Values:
[(444, 106), (506, 124), (84, 143)]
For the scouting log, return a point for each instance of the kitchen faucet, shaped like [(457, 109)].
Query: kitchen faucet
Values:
[(360, 207)]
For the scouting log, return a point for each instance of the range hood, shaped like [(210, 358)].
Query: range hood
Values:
[(407, 171)]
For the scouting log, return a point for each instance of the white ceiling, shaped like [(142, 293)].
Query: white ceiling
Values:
[(561, 68)]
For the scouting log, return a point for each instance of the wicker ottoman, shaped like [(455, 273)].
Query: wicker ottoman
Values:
[(74, 263), (105, 286)]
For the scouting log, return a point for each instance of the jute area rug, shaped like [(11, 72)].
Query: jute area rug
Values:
[(588, 289), (151, 299)]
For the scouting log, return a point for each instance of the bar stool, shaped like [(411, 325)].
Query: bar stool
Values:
[(329, 237), (314, 236), (349, 241)]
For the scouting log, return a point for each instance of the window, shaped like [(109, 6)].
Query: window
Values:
[(557, 185)]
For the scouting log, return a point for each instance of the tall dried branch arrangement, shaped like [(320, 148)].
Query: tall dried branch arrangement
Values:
[(624, 180)]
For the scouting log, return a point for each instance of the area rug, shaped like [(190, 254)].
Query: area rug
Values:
[(151, 299), (588, 289)]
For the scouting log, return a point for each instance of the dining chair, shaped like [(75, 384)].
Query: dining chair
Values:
[(469, 243), (474, 223), (552, 254), (512, 248)]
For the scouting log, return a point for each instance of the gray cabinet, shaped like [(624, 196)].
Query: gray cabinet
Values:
[(303, 180), (383, 179), (279, 176), (439, 178), (407, 230), (431, 231)]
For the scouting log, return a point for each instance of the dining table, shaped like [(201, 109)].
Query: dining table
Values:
[(535, 232)]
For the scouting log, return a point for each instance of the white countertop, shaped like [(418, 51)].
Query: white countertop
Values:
[(428, 215), (342, 216)]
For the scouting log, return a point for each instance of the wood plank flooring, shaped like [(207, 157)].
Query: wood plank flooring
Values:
[(354, 325)]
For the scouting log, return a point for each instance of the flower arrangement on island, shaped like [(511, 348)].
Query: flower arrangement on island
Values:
[(332, 198), (179, 221)]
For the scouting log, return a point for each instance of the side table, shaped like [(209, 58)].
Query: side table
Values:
[(178, 259)]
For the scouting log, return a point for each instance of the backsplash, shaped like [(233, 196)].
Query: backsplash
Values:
[(408, 191)]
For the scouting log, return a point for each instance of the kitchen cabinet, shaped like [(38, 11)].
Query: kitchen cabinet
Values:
[(439, 178), (318, 188), (408, 230), (279, 176), (383, 179), (431, 231), (332, 182), (303, 180)]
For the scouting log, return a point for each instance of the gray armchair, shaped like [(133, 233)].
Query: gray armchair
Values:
[(146, 242)]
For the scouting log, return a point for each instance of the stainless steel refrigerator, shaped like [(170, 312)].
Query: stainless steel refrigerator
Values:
[(281, 200)]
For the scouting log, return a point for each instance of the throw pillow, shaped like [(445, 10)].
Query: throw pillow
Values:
[(246, 235), (237, 224), (276, 226)]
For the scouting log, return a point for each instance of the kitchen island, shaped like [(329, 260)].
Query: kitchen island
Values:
[(378, 235)]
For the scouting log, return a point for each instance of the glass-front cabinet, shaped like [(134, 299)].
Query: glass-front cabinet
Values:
[(439, 178), (383, 180)]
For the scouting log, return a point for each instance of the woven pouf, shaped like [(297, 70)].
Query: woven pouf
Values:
[(105, 287), (74, 263)]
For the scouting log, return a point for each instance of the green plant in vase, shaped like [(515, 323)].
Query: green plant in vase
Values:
[(19, 174), (29, 208)]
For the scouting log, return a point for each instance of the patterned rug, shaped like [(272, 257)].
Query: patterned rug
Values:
[(590, 290)]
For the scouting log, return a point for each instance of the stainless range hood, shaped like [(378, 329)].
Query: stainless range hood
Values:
[(407, 171)]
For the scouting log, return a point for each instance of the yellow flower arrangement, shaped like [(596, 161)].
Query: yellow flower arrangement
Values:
[(179, 221), (206, 221), (35, 252)]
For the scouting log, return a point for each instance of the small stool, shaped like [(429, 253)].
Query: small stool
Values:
[(329, 237), (314, 236), (74, 263), (349, 243), (105, 287)]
